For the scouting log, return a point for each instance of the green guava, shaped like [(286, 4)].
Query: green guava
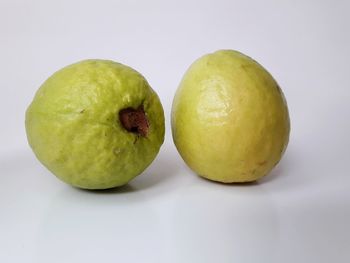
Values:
[(95, 124), (230, 120)]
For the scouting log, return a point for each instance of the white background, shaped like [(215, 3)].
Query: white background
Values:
[(299, 213)]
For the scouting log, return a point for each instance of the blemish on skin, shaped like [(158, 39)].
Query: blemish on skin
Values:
[(262, 163), (82, 111), (245, 67)]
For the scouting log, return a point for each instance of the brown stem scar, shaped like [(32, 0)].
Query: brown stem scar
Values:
[(134, 121)]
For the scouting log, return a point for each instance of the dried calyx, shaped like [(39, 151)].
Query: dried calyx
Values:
[(134, 121)]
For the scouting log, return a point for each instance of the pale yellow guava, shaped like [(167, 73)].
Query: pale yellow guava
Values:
[(230, 120)]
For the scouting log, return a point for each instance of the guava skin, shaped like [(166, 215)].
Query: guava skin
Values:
[(230, 121), (74, 128)]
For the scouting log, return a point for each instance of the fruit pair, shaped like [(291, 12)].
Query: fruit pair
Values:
[(97, 124)]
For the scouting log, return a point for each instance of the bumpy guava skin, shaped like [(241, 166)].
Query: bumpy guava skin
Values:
[(230, 120), (95, 124)]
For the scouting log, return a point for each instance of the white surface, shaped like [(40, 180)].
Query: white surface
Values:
[(300, 213)]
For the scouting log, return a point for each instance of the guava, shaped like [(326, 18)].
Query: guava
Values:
[(230, 121), (95, 124)]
